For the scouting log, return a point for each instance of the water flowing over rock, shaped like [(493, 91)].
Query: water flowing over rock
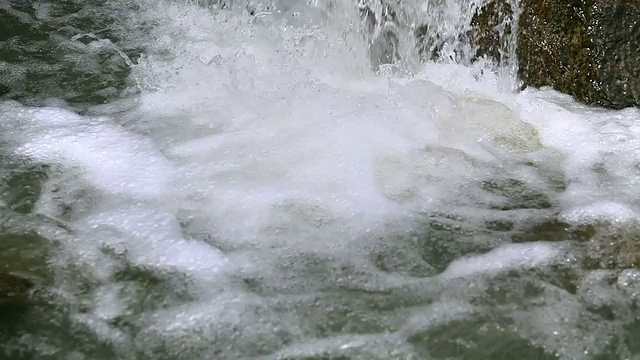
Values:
[(588, 49), (584, 48), (492, 29), (380, 20)]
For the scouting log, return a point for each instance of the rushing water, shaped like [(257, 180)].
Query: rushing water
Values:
[(182, 181)]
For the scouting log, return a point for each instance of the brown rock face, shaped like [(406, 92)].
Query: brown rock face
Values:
[(491, 29), (589, 49)]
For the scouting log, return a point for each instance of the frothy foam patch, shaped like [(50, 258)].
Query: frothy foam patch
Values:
[(112, 159), (270, 138), (601, 211), (504, 258), (600, 149), (154, 239), (130, 214)]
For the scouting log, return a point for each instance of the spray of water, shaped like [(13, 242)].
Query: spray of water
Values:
[(272, 191)]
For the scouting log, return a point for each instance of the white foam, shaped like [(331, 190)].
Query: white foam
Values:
[(268, 124), (504, 258), (601, 211), (112, 159), (600, 149), (154, 239)]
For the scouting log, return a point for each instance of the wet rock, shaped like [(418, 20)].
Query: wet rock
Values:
[(598, 246), (555, 230), (613, 248), (481, 338), (4, 89), (16, 23), (585, 48), (23, 268), (440, 241), (550, 172), (23, 253), (343, 312), (20, 188), (632, 335), (148, 289), (15, 290), (72, 50), (491, 30), (517, 194), (499, 224), (403, 260)]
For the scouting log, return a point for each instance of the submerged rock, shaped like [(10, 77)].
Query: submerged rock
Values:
[(585, 48), (69, 49), (599, 245), (555, 230), (23, 266), (516, 195), (613, 249), (24, 246), (15, 290), (476, 338)]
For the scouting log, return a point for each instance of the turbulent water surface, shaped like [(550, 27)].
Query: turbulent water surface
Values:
[(208, 180)]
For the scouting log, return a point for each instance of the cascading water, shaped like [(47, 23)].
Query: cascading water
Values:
[(265, 188)]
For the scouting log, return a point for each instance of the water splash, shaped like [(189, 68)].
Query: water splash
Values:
[(268, 195)]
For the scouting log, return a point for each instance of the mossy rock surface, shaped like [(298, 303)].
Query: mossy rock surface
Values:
[(589, 49), (491, 29)]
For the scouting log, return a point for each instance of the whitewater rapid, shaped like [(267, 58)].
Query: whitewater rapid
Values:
[(261, 166)]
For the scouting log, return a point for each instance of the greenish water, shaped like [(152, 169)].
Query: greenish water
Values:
[(38, 324), (39, 59), (398, 296)]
